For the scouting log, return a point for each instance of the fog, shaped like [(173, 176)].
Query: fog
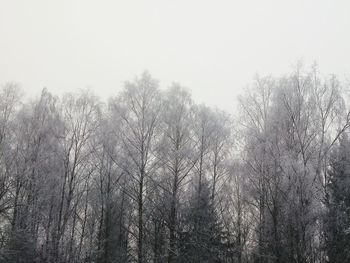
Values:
[(214, 48), (132, 144)]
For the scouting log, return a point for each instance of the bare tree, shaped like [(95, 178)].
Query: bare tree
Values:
[(138, 109)]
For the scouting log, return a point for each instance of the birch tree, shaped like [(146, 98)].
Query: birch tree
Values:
[(138, 109)]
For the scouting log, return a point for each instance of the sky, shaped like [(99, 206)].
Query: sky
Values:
[(213, 48)]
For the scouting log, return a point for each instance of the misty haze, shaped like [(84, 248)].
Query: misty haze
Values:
[(174, 131)]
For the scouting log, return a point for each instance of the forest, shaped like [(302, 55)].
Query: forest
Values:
[(151, 176)]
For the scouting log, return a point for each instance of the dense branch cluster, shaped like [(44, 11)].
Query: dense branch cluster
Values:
[(151, 176)]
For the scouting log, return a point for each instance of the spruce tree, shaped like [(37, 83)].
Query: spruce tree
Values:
[(337, 220), (203, 239)]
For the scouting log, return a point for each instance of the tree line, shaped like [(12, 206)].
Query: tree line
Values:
[(151, 176)]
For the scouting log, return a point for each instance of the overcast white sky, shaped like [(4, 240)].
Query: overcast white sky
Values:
[(214, 48)]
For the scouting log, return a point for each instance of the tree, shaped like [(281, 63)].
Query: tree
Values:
[(202, 239), (138, 109), (80, 115), (35, 123), (9, 102), (177, 157), (291, 127), (155, 177), (111, 200), (337, 220)]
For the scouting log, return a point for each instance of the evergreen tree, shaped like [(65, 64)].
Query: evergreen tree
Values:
[(338, 201), (203, 238)]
